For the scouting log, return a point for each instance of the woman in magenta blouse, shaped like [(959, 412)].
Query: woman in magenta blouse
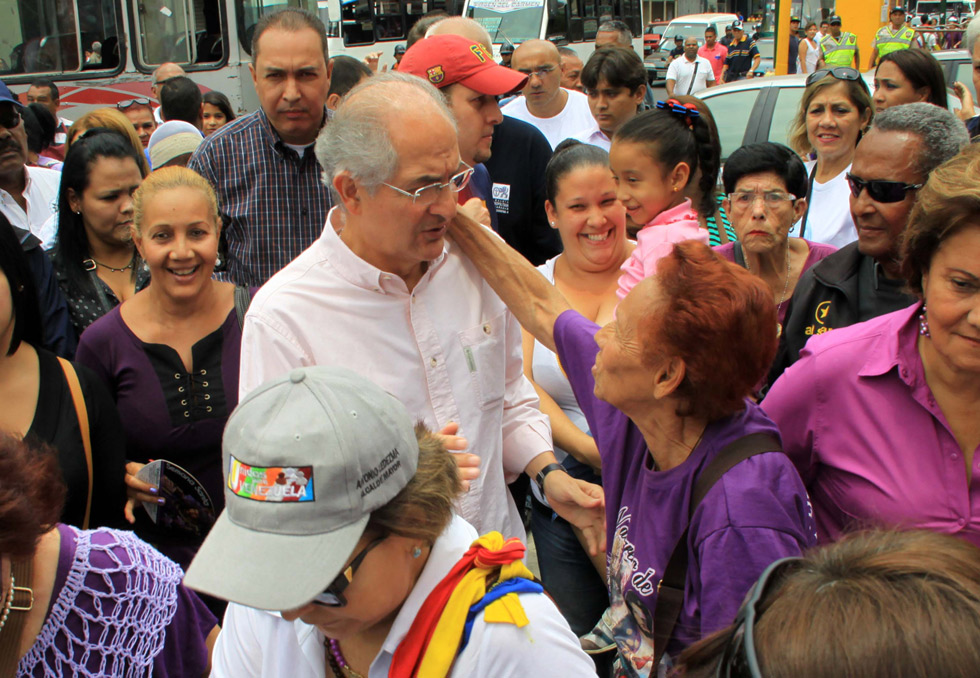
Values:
[(880, 418)]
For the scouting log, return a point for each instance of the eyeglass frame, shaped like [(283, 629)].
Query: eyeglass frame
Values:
[(343, 580), (865, 185), (739, 659), (128, 103), (440, 187), (540, 71), (785, 196), (18, 116), (843, 73)]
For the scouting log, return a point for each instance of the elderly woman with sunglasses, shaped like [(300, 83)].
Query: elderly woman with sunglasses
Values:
[(880, 418), (338, 513), (835, 110)]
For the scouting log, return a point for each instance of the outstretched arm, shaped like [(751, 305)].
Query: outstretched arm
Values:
[(530, 297)]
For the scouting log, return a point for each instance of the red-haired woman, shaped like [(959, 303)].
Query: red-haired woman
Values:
[(663, 397), (104, 602)]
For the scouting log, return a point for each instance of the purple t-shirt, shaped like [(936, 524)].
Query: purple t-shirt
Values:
[(817, 252), (757, 513), (112, 588)]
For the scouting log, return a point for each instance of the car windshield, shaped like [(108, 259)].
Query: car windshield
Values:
[(512, 21), (685, 29)]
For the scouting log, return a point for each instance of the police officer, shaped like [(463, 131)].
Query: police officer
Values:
[(399, 53), (838, 48), (897, 35), (743, 56), (506, 54), (678, 48)]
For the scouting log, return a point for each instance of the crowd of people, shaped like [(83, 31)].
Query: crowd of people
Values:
[(286, 393)]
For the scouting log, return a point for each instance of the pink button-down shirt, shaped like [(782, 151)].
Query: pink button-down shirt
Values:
[(859, 421), (449, 350)]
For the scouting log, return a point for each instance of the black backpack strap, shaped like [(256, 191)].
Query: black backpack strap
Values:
[(243, 298), (670, 591)]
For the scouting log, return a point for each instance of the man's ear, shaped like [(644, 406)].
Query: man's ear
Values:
[(349, 191), (668, 377)]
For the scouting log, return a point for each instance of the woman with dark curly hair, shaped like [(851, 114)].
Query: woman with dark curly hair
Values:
[(86, 602), (880, 418)]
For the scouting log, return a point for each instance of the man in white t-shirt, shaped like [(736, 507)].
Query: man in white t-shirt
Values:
[(558, 113), (690, 73)]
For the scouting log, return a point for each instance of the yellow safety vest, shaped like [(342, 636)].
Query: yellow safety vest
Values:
[(888, 42), (839, 53)]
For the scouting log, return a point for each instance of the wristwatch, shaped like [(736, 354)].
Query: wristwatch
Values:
[(539, 479)]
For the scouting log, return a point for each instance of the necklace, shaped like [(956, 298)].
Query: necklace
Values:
[(338, 664), (8, 600), (116, 270), (782, 297)]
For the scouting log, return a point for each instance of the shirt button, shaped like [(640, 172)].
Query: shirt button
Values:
[(433, 362), (905, 372), (955, 455), (961, 522), (177, 377), (203, 372), (187, 414), (486, 328)]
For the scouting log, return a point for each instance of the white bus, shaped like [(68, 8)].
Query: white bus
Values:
[(100, 52)]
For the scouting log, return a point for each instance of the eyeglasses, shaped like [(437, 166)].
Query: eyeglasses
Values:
[(541, 71), (428, 194), (333, 595), (9, 116), (880, 190), (771, 199), (838, 72), (140, 101), (740, 660)]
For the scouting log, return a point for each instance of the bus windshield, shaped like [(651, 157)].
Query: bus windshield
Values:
[(953, 7), (512, 21)]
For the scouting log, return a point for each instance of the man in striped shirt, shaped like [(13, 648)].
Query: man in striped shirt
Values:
[(273, 204)]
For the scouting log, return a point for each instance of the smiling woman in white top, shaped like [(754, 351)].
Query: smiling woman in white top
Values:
[(835, 110)]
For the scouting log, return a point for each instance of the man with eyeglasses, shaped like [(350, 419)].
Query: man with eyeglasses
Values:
[(863, 280), (559, 113), (140, 113), (383, 293), (27, 199)]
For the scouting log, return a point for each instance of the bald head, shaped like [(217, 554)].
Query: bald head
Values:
[(535, 49), (459, 25), (540, 61), (165, 72)]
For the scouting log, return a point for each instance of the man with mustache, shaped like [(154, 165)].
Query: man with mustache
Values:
[(383, 293), (863, 280), (262, 165)]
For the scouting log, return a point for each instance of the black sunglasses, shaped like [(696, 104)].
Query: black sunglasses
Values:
[(9, 116), (333, 595), (838, 72), (740, 659), (123, 105), (879, 190)]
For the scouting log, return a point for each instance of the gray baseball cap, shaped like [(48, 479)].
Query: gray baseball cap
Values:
[(307, 458)]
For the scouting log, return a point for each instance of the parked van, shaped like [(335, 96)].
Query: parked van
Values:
[(691, 24)]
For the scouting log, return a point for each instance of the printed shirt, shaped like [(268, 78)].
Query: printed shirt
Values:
[(716, 57), (740, 56), (755, 514), (684, 73), (861, 424), (273, 203), (255, 643), (449, 350), (41, 195)]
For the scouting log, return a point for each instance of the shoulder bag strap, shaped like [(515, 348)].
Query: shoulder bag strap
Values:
[(809, 194), (670, 590), (81, 412), (90, 266), (693, 76), (243, 300), (22, 603)]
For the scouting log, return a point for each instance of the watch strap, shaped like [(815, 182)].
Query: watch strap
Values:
[(539, 479)]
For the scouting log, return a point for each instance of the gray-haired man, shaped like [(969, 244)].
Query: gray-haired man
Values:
[(863, 280), (381, 291)]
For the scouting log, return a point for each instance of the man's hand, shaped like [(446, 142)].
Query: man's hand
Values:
[(468, 464), (968, 110), (476, 210), (372, 60), (137, 491), (580, 503)]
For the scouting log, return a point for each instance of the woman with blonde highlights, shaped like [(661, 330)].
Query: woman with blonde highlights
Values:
[(170, 354), (112, 119)]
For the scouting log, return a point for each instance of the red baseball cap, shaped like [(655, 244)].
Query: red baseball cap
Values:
[(447, 59)]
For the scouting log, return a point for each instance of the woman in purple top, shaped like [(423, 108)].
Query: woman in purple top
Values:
[(170, 354), (662, 398), (880, 418), (104, 602), (765, 185)]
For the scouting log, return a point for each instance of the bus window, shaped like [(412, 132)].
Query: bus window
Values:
[(557, 20), (575, 29), (250, 11), (590, 23), (512, 21), (357, 22), (389, 23), (46, 36), (186, 33), (416, 9)]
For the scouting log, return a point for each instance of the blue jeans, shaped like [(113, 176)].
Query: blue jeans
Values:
[(566, 571)]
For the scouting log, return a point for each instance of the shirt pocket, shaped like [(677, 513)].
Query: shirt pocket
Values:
[(485, 355)]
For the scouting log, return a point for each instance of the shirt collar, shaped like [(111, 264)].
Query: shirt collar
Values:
[(272, 136), (896, 346), (359, 272)]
